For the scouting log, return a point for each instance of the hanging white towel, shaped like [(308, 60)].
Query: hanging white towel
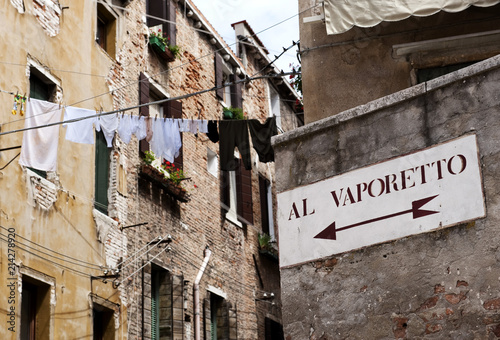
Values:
[(81, 131), (203, 126), (157, 143), (172, 139), (109, 125), (125, 128), (39, 148), (193, 126), (183, 125)]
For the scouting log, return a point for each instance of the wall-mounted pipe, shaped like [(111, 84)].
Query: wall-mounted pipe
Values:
[(196, 294)]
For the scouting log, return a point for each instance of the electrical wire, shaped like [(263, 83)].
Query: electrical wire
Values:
[(55, 69), (82, 263), (44, 258)]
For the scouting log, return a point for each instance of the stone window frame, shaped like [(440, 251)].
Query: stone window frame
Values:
[(35, 277), (177, 303), (459, 49), (109, 19), (98, 302), (274, 104)]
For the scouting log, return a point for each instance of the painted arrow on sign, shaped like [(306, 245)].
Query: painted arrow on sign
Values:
[(330, 232)]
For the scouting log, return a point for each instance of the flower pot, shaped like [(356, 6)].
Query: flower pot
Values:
[(228, 114)]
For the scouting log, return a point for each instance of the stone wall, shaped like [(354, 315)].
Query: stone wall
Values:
[(441, 284)]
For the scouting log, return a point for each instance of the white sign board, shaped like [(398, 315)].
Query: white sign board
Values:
[(423, 191)]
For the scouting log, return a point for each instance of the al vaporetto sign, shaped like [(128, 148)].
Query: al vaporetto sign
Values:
[(423, 191)]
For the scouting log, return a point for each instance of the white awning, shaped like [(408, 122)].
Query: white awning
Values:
[(342, 15)]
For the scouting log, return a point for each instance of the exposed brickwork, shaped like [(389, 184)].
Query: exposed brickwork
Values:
[(455, 298), (493, 304), (48, 14), (401, 324), (18, 4), (235, 267)]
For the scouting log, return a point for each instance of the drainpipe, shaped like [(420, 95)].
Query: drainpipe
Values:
[(196, 294)]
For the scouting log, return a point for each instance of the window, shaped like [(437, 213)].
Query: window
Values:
[(274, 330), (35, 309), (150, 91), (426, 74), (236, 187), (43, 87), (220, 317), (103, 323), (162, 12), (167, 304), (217, 317), (102, 160), (266, 207), (274, 105), (161, 304), (106, 29), (229, 95), (103, 318), (40, 87)]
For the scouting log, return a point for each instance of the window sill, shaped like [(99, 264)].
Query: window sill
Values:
[(176, 191), (231, 217), (272, 256), (166, 54)]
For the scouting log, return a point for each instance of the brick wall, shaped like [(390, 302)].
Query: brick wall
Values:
[(198, 223)]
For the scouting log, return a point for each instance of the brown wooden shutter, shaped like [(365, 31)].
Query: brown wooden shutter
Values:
[(224, 190), (264, 210), (156, 8), (244, 194), (233, 323), (143, 111), (236, 97), (178, 306), (173, 109), (219, 77), (170, 27)]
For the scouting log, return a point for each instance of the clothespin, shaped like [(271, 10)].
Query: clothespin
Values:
[(199, 114), (23, 102), (14, 108)]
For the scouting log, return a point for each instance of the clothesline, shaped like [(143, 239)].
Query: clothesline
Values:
[(39, 147), (161, 101)]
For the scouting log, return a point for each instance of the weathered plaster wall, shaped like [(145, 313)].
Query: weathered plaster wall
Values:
[(442, 284), (62, 221), (366, 67)]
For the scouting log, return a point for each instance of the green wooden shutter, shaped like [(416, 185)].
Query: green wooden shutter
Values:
[(102, 154)]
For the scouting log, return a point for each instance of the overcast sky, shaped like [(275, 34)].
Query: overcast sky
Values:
[(260, 15)]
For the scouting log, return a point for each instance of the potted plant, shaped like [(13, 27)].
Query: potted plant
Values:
[(233, 113), (266, 246), (160, 43), (166, 174)]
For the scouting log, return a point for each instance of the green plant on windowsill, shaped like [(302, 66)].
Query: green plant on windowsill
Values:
[(168, 170), (176, 51), (233, 113), (266, 246), (162, 42)]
